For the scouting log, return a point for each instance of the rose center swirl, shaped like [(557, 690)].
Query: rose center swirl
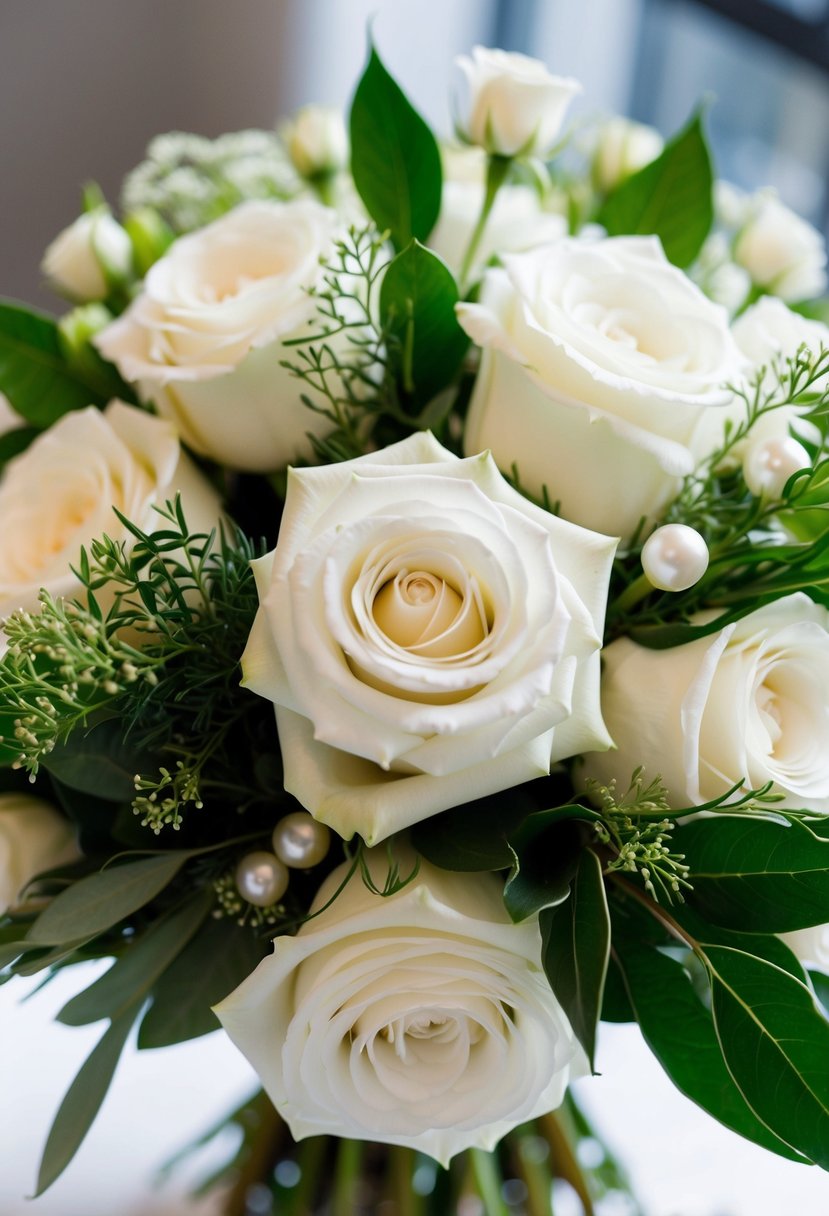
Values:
[(424, 614)]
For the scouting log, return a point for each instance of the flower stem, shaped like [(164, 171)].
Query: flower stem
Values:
[(401, 1173), (532, 1157), (496, 173), (633, 593), (346, 1177), (487, 1177), (563, 1158), (309, 1158)]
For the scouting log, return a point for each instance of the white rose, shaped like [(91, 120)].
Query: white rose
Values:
[(622, 148), (59, 495), (746, 704), (516, 222), (84, 259), (781, 252), (514, 106), (316, 140), (810, 945), (600, 363), (33, 838), (205, 338), (422, 1019), (427, 636)]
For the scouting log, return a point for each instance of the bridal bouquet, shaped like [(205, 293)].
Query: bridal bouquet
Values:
[(414, 581)]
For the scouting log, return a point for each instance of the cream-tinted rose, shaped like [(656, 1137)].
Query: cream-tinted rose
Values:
[(748, 704), (513, 104), (421, 1019), (316, 140), (59, 495), (622, 148), (782, 252), (427, 635), (205, 339), (601, 371), (84, 259), (33, 838)]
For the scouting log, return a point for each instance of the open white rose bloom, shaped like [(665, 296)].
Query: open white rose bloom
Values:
[(427, 635), (425, 1013), (603, 365), (414, 644)]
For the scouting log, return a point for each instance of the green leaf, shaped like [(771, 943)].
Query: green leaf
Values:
[(82, 1102), (100, 761), (680, 1032), (670, 198), (764, 945), (395, 161), (546, 853), (775, 1041), (133, 974), (756, 875), (575, 947), (820, 983), (34, 374), (101, 900), (473, 837), (212, 964), (616, 1006), (417, 306)]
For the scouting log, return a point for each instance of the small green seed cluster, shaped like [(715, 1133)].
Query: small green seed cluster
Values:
[(232, 904), (641, 841), (61, 666), (183, 787)]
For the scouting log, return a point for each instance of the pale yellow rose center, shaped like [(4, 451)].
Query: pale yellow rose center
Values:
[(423, 614)]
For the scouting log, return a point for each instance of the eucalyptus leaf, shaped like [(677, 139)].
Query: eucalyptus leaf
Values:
[(575, 948), (756, 875), (82, 1102), (132, 975), (417, 306), (34, 374), (100, 761), (395, 161), (212, 964), (680, 1032), (775, 1041), (99, 901), (671, 198)]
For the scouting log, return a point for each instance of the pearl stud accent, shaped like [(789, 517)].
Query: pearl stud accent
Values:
[(299, 841), (674, 557), (261, 879), (769, 464)]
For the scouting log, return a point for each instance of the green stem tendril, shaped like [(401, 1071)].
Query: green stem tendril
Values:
[(498, 168)]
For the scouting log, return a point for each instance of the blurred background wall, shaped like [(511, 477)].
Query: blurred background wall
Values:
[(84, 84)]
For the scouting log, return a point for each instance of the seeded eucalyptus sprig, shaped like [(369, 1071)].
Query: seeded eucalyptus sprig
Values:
[(761, 547), (156, 640)]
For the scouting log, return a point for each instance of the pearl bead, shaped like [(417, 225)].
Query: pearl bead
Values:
[(261, 879), (769, 464), (674, 557), (299, 841)]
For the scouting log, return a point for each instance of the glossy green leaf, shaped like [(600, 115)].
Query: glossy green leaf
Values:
[(132, 975), (546, 853), (395, 161), (473, 837), (616, 1006), (775, 1041), (756, 875), (680, 1032), (101, 900), (82, 1102), (670, 198), (765, 945), (212, 964), (417, 306), (575, 937), (34, 374)]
